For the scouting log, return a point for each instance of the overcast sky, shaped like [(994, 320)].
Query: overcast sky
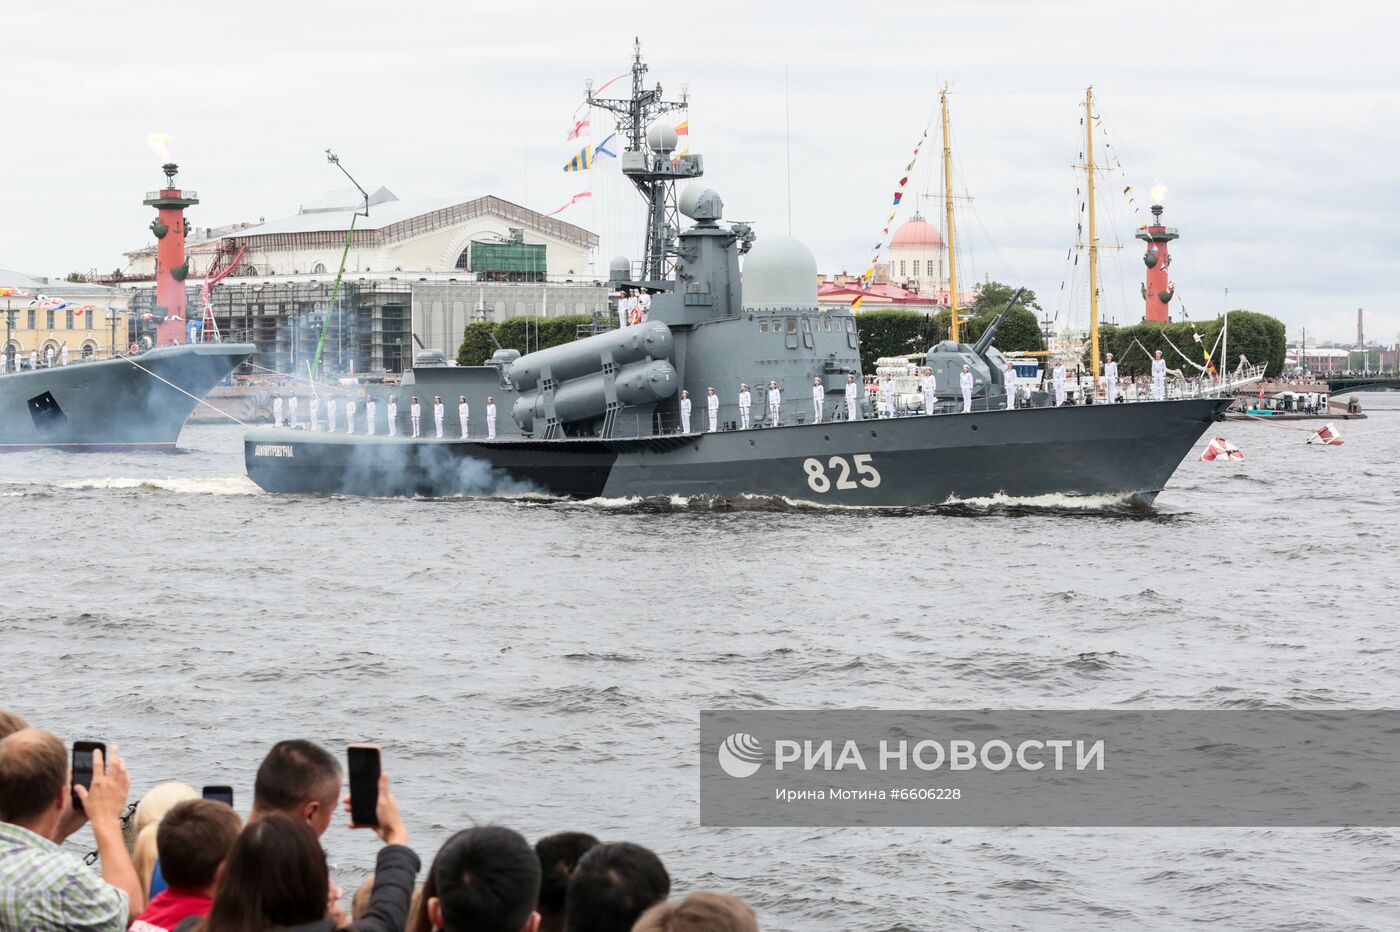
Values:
[(1273, 126)]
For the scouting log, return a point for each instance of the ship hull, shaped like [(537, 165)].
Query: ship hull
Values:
[(1103, 450), (112, 404)]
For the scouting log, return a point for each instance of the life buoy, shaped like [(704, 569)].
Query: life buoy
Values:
[(634, 315), (134, 349)]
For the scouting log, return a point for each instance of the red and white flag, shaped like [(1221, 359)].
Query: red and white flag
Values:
[(579, 127), (1327, 435), (1219, 449)]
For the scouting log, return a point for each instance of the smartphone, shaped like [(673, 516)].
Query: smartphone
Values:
[(222, 794), (364, 783), (82, 766)]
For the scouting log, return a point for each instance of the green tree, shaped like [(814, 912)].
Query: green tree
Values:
[(476, 345), (535, 333), (992, 297), (892, 333), (1259, 337), (76, 277)]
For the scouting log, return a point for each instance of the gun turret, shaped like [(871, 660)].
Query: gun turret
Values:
[(985, 340)]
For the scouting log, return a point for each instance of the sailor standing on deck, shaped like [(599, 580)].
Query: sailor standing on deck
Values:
[(965, 383), (624, 307), (490, 418), (438, 412), (887, 395), (350, 415), (852, 399), (370, 410), (277, 410), (1010, 386), (33, 360), (1159, 377), (685, 412), (775, 404), (315, 411), (462, 411), (930, 390), (63, 355), (330, 414), (48, 356), (292, 403), (393, 415), (643, 306), (415, 414), (818, 399), (1057, 377), (1110, 378), (745, 402), (712, 408)]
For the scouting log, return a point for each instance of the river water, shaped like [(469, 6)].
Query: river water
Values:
[(542, 664)]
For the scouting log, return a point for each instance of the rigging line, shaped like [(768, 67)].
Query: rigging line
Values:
[(183, 392)]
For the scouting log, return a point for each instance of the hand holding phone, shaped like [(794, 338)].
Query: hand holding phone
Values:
[(82, 767), (364, 784)]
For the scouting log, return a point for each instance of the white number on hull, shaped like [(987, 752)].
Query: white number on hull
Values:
[(817, 478)]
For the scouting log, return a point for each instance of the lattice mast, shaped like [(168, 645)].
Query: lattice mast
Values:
[(648, 164)]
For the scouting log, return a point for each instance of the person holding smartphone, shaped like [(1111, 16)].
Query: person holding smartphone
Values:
[(41, 885)]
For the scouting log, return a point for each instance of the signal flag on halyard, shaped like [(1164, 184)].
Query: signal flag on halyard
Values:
[(579, 127), (572, 201), (588, 154), (1327, 435), (683, 128), (1220, 448)]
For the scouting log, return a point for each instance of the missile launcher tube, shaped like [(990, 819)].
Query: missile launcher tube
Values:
[(583, 357), (640, 383)]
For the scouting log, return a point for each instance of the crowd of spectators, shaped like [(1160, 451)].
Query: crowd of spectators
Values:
[(181, 863)]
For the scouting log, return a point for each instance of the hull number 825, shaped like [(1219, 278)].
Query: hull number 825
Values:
[(844, 474)]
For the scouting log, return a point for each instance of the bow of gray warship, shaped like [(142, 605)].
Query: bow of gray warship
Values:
[(612, 414)]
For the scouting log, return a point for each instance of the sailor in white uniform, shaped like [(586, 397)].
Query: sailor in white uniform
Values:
[(930, 390), (292, 404), (315, 411), (1159, 377), (33, 359), (438, 412), (490, 418), (852, 399), (330, 414), (463, 409), (965, 383), (624, 307), (887, 393), (371, 408), (350, 415), (1110, 379), (643, 302), (685, 411), (277, 410), (712, 408), (745, 403), (393, 415), (775, 404), (63, 356), (415, 414), (818, 399), (48, 356), (1010, 386), (1057, 378)]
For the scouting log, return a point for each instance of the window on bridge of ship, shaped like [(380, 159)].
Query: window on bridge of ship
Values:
[(806, 325), (763, 326), (792, 325)]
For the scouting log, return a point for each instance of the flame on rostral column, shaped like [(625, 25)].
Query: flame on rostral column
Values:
[(159, 143), (1159, 191)]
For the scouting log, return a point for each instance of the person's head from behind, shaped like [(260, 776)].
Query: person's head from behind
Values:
[(702, 911), (274, 876), (10, 723), (558, 855), (486, 879), (300, 779), (145, 848), (194, 839), (33, 780), (613, 885)]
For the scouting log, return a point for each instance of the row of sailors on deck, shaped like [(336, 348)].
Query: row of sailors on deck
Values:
[(633, 306), (289, 406), (49, 354)]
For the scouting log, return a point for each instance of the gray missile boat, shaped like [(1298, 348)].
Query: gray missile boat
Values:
[(122, 403), (601, 416)]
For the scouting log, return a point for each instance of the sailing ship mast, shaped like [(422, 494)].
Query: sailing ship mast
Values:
[(948, 208), (1093, 239)]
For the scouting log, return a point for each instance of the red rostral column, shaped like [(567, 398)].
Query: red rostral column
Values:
[(172, 268), (1158, 290)]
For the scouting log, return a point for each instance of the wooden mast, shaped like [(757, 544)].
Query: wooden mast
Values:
[(1093, 240), (948, 209)]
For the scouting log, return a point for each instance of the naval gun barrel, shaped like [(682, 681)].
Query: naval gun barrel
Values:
[(985, 340), (651, 340)]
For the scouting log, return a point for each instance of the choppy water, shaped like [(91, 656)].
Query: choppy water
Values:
[(543, 664)]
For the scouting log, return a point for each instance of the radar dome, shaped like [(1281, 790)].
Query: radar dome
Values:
[(661, 138), (700, 203), (779, 272), (619, 269)]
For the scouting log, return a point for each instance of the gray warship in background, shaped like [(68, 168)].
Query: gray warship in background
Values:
[(601, 416), (123, 403)]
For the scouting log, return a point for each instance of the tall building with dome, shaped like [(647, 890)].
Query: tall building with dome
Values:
[(916, 256)]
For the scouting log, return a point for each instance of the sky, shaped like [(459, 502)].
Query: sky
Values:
[(1272, 125)]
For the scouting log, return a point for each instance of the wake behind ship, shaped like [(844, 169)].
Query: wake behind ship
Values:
[(122, 403), (607, 415)]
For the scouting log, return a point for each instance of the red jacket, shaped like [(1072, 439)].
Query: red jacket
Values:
[(168, 908)]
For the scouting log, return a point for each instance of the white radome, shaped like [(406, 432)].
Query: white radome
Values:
[(779, 272)]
